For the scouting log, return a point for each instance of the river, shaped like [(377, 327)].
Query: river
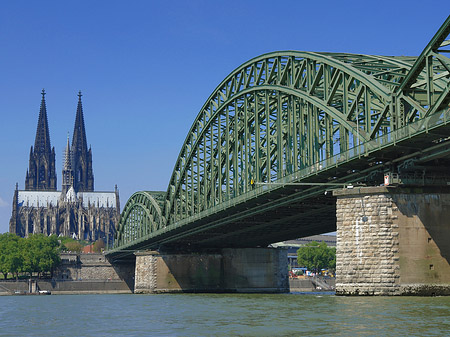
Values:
[(223, 315)]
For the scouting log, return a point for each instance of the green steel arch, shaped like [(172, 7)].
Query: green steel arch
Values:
[(141, 216), (284, 112)]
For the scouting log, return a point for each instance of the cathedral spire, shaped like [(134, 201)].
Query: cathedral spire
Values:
[(67, 173), (41, 175), (79, 143), (67, 156), (81, 156), (42, 141)]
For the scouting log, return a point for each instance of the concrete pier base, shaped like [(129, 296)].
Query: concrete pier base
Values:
[(256, 270), (393, 241)]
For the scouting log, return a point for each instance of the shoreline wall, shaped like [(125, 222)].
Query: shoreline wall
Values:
[(81, 274)]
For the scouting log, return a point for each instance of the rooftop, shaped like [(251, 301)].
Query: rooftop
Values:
[(52, 198)]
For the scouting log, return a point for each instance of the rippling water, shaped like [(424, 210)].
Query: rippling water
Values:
[(223, 315)]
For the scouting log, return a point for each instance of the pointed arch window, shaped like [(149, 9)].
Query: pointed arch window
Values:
[(42, 176)]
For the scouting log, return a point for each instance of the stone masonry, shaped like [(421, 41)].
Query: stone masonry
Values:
[(89, 267), (262, 270), (145, 272), (81, 274), (390, 241)]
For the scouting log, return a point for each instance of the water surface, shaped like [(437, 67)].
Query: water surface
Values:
[(223, 315)]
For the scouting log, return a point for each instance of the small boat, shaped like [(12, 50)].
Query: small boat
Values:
[(25, 293), (44, 292)]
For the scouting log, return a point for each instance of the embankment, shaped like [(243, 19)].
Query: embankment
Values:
[(79, 274), (308, 284)]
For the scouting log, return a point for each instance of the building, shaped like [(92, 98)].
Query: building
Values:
[(77, 210)]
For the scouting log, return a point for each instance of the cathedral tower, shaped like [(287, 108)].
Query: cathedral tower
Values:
[(41, 174), (82, 157), (67, 172)]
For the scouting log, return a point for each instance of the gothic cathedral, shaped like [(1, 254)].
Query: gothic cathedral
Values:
[(76, 210)]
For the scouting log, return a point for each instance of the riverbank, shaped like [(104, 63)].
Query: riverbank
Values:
[(71, 287), (312, 284), (59, 287), (94, 274), (78, 274)]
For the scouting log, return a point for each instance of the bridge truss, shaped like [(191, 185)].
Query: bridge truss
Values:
[(291, 117)]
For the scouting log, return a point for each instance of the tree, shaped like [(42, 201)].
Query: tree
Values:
[(316, 256), (40, 253), (50, 257), (30, 251), (10, 256), (70, 244), (98, 246), (4, 255), (37, 253), (73, 246)]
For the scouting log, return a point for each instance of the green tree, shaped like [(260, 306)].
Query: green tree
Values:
[(10, 256), (40, 253), (4, 255), (70, 244), (315, 256), (30, 253), (73, 246), (98, 246), (50, 257)]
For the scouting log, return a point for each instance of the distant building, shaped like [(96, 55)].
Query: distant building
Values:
[(76, 210)]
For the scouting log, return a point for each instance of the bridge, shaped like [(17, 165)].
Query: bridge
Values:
[(283, 130)]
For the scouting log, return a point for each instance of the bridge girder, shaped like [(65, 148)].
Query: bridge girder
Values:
[(286, 112)]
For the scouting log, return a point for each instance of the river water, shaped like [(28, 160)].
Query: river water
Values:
[(223, 315)]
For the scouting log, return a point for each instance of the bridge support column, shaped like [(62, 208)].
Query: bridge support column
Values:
[(393, 241), (259, 270)]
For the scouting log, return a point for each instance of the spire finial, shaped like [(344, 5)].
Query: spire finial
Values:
[(43, 93), (79, 95)]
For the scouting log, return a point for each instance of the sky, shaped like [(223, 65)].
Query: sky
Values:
[(145, 69)]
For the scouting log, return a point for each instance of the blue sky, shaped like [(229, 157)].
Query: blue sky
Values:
[(146, 67)]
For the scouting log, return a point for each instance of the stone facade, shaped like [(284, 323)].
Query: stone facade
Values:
[(390, 241), (83, 215)]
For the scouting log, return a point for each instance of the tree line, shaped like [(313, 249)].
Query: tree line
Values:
[(37, 253), (316, 256)]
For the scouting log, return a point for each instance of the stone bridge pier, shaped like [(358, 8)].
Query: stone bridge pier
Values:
[(261, 270), (393, 241)]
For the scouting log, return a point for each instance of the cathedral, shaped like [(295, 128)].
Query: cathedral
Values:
[(76, 211)]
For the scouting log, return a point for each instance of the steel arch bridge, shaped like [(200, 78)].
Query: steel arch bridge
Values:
[(280, 130)]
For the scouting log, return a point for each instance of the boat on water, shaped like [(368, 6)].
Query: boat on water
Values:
[(40, 292), (45, 292)]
